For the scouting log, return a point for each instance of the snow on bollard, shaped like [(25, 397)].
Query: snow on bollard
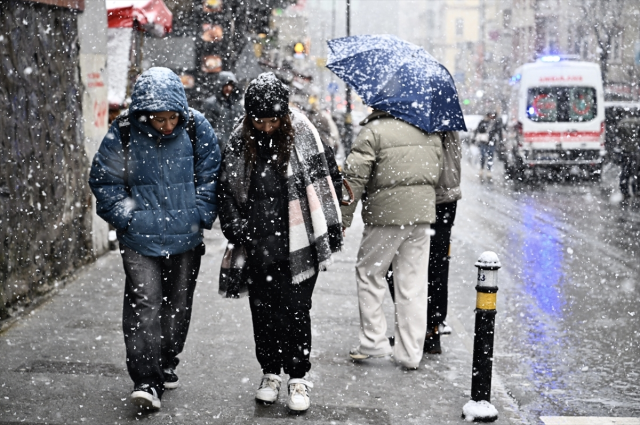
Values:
[(479, 408), (479, 411)]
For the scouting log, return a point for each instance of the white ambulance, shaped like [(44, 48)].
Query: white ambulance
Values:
[(555, 119)]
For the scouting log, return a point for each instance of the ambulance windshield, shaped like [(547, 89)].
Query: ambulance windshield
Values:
[(561, 104)]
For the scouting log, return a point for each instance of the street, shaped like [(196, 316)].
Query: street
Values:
[(565, 345), (567, 324)]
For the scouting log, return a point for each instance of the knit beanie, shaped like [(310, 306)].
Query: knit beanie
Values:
[(266, 97)]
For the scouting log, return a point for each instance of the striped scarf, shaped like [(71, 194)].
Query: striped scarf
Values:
[(315, 222)]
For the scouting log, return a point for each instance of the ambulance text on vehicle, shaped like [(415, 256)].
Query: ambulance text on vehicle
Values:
[(556, 118)]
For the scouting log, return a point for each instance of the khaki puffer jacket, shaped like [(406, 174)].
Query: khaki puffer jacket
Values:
[(448, 187), (398, 165)]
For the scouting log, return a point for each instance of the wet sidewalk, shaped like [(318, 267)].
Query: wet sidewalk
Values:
[(64, 362)]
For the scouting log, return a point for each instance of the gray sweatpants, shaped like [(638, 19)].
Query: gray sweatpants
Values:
[(407, 247)]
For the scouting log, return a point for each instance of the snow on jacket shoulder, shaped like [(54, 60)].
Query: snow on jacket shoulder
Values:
[(170, 200), (398, 165)]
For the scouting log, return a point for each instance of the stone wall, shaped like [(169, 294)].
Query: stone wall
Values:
[(45, 214)]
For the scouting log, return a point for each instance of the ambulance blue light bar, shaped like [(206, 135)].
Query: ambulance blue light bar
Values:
[(552, 58)]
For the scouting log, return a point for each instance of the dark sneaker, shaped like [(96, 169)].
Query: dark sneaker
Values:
[(170, 378), (432, 342), (145, 397)]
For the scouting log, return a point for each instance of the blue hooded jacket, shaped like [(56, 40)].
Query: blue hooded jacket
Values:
[(168, 205)]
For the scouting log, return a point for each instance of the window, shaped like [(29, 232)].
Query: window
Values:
[(459, 27), (561, 104), (506, 19), (615, 49)]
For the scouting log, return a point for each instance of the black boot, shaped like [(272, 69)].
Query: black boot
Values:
[(432, 342)]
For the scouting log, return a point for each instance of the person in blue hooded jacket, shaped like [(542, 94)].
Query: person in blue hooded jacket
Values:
[(157, 187)]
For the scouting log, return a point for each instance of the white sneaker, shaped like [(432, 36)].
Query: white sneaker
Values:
[(444, 329), (269, 388), (299, 395), (356, 354), (145, 397)]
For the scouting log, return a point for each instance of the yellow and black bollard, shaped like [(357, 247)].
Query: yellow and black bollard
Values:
[(479, 408)]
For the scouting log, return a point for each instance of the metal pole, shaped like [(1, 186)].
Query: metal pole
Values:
[(333, 35), (479, 407), (482, 55), (348, 134)]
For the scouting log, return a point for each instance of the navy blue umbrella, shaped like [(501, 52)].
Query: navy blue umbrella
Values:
[(400, 78)]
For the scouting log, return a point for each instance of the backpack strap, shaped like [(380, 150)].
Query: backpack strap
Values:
[(191, 131), (125, 137)]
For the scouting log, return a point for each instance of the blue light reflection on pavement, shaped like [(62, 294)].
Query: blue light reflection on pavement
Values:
[(537, 244)]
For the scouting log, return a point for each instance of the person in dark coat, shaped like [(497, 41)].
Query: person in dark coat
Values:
[(628, 134), (488, 135), (223, 109), (278, 205), (159, 192)]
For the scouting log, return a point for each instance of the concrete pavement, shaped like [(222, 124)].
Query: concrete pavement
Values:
[(64, 362)]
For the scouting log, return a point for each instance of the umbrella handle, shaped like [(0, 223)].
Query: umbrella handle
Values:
[(347, 186)]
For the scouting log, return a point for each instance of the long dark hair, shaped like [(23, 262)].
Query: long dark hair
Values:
[(283, 138)]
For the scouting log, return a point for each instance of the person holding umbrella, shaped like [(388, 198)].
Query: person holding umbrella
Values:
[(448, 194), (397, 158)]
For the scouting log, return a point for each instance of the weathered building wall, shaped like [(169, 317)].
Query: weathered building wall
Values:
[(92, 35), (45, 215)]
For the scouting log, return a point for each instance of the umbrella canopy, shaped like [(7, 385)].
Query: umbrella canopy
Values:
[(400, 78), (152, 15)]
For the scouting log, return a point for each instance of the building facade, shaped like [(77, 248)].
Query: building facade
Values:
[(45, 202)]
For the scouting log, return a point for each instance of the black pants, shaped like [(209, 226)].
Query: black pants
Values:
[(438, 265), (157, 311), (281, 319)]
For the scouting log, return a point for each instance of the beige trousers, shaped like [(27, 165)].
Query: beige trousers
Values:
[(407, 247)]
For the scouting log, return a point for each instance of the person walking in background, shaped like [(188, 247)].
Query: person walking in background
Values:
[(628, 134), (280, 213), (488, 135), (399, 166), (223, 109), (154, 179), (326, 126), (447, 195)]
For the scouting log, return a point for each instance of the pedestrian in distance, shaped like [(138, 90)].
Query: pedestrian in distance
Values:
[(447, 195), (154, 179), (488, 135), (280, 212), (628, 134), (223, 109), (399, 166)]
